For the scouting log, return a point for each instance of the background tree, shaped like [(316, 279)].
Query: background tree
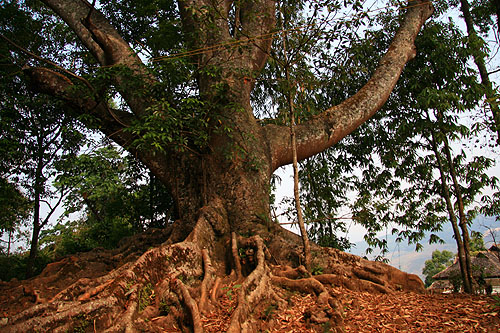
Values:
[(480, 50), (409, 180), (14, 209), (439, 262), (111, 193)]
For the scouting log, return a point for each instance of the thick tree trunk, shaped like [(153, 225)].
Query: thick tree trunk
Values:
[(221, 189), (30, 266), (496, 4), (242, 154)]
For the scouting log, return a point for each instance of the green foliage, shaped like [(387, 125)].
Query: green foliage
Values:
[(269, 311), (173, 128), (164, 308), (440, 261), (230, 290), (14, 265), (317, 270), (146, 295), (14, 206), (103, 182), (490, 205), (476, 242), (68, 238), (81, 322)]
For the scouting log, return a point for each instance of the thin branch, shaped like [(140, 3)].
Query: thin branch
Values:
[(53, 209)]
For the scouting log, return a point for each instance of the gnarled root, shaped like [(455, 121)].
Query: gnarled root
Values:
[(252, 289), (236, 256), (327, 309), (208, 281), (183, 293)]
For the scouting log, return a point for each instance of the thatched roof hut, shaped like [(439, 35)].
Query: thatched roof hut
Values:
[(485, 267)]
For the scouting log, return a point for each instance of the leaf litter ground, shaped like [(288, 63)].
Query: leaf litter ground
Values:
[(367, 312)]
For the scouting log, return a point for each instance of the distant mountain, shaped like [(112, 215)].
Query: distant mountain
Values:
[(404, 256)]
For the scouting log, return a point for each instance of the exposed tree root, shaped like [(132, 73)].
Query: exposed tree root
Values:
[(252, 289), (327, 309), (291, 273), (213, 293), (182, 291), (208, 281), (236, 256), (174, 287)]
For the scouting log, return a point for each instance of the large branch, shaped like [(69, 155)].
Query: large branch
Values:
[(105, 44), (258, 19), (329, 127), (110, 122), (208, 24)]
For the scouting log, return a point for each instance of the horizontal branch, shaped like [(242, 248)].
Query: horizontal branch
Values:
[(110, 122), (329, 127)]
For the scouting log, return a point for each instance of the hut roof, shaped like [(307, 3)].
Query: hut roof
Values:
[(485, 261), (495, 247), (441, 285)]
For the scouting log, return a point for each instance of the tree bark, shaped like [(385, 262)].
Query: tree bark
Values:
[(453, 218), (496, 3), (489, 93), (461, 211)]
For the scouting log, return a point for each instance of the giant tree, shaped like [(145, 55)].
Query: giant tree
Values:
[(172, 83)]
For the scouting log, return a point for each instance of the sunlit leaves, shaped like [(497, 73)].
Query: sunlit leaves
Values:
[(178, 128)]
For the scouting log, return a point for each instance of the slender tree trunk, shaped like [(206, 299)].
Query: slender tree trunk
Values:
[(38, 188), (151, 199), (496, 4), (30, 267), (9, 242), (453, 218), (303, 231), (461, 212), (293, 139), (480, 63)]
